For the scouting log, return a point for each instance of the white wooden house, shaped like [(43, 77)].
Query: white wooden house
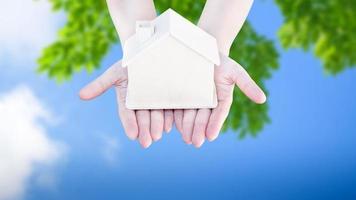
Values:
[(170, 64)]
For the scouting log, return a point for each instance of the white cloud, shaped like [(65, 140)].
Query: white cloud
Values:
[(26, 26), (110, 149), (24, 142)]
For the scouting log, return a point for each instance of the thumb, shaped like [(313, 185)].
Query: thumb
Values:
[(246, 84), (97, 87)]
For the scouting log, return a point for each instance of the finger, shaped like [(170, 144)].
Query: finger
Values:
[(217, 118), (246, 84), (188, 124), (200, 124), (157, 122), (168, 120), (178, 120), (103, 82), (143, 121), (127, 116)]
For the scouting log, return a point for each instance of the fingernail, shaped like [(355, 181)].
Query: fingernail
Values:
[(156, 138), (167, 130), (188, 142), (146, 144), (211, 138)]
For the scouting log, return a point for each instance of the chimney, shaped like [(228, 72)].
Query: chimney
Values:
[(144, 30)]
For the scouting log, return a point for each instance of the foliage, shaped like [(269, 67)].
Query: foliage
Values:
[(82, 42), (89, 33), (327, 26)]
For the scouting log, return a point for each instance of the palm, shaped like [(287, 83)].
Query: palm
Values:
[(145, 125), (223, 83), (195, 125)]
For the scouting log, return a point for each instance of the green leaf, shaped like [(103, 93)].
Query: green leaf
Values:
[(326, 27)]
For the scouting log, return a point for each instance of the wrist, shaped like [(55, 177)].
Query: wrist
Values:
[(223, 45)]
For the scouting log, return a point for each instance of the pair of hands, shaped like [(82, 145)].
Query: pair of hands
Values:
[(194, 124)]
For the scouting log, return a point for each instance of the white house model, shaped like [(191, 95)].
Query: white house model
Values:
[(170, 65)]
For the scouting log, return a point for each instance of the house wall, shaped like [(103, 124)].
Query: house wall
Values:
[(170, 75)]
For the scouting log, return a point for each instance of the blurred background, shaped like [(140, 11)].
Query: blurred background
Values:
[(300, 145)]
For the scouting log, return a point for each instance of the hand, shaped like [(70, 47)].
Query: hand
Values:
[(146, 125), (196, 124)]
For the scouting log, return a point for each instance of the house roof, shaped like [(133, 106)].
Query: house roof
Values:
[(172, 24)]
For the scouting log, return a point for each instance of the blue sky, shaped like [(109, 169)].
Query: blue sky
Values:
[(307, 152)]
